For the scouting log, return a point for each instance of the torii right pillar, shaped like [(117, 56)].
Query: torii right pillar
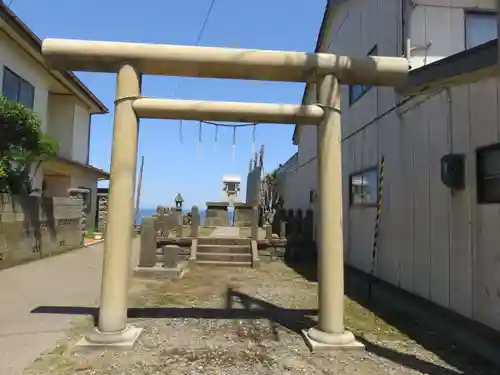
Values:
[(330, 333)]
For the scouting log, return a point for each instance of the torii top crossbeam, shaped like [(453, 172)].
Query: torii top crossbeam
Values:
[(214, 62)]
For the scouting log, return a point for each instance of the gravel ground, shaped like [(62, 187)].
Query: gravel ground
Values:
[(246, 321)]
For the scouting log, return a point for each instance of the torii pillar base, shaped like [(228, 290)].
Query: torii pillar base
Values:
[(319, 341), (123, 340)]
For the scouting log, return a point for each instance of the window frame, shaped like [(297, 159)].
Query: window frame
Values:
[(88, 208), (476, 12), (374, 168), (20, 81), (364, 88), (480, 152)]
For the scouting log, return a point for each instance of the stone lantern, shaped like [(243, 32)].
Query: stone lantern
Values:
[(178, 201)]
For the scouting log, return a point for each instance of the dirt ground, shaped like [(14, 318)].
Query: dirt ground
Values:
[(247, 321)]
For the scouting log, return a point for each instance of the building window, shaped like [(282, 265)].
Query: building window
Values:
[(480, 27), (17, 89), (488, 174), (356, 92), (363, 187)]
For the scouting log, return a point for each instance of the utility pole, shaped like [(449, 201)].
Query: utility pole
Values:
[(138, 197)]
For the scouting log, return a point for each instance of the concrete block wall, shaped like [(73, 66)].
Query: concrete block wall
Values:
[(32, 228)]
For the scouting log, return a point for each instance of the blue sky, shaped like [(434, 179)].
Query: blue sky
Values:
[(170, 165)]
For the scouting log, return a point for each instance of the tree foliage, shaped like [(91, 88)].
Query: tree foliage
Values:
[(270, 197), (23, 146), (271, 177)]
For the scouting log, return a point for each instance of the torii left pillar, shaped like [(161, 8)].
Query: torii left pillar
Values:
[(112, 329)]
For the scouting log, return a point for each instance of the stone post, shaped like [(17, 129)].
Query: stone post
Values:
[(255, 224), (309, 225), (290, 224), (113, 328), (299, 222), (283, 229), (269, 233), (178, 224), (195, 222), (147, 257), (330, 332), (282, 223), (170, 256)]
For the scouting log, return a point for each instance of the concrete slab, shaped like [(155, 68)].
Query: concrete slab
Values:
[(69, 279), (161, 272)]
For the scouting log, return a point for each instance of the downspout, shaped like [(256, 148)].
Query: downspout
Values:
[(406, 6), (93, 199), (88, 138)]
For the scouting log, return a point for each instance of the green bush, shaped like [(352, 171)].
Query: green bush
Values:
[(22, 146)]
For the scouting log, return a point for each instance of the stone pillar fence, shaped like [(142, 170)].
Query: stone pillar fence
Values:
[(293, 224), (155, 232)]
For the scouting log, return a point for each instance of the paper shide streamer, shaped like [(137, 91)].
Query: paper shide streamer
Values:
[(181, 135), (199, 139), (216, 136), (234, 143), (253, 139)]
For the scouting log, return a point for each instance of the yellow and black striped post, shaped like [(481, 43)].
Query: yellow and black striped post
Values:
[(377, 226)]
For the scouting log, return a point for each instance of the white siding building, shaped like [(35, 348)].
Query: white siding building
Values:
[(61, 101), (437, 242)]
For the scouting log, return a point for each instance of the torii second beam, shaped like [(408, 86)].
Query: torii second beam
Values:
[(228, 111)]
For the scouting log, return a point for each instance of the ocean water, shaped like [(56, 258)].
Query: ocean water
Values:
[(151, 211)]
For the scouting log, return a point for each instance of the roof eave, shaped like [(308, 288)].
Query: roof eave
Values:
[(21, 29), (101, 174), (466, 67)]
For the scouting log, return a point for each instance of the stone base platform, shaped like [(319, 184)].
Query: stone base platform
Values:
[(216, 214), (96, 340), (320, 347), (160, 272)]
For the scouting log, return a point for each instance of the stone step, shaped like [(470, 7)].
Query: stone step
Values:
[(223, 241), (232, 249), (224, 257), (223, 264)]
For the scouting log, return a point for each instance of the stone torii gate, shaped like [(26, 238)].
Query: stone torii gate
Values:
[(131, 60)]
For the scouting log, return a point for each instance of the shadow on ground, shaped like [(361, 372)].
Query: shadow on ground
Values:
[(400, 310), (253, 308)]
